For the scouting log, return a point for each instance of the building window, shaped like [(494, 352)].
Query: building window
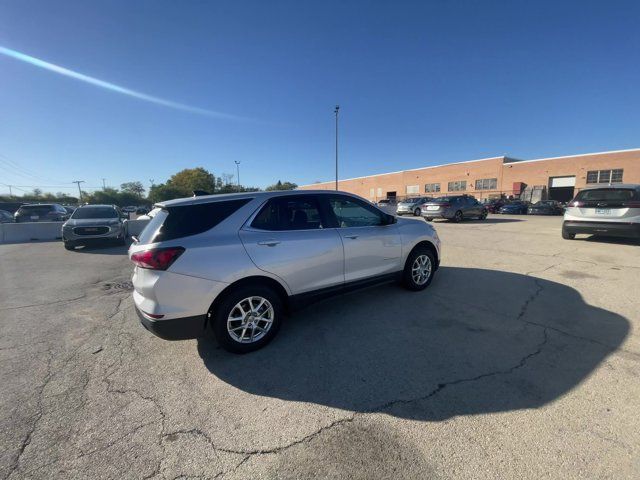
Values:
[(487, 184), (379, 192), (372, 192), (605, 176), (432, 187), (411, 189), (457, 186)]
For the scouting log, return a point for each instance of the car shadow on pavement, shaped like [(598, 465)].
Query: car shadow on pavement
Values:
[(477, 220), (477, 341), (103, 249), (612, 240)]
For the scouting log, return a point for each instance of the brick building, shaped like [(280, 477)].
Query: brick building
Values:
[(557, 178)]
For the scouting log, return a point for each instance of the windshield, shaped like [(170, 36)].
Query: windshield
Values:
[(94, 212), (443, 199), (35, 209)]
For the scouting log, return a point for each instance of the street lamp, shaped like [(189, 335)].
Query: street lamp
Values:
[(336, 111), (238, 170)]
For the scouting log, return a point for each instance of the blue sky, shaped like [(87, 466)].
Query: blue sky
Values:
[(419, 83)]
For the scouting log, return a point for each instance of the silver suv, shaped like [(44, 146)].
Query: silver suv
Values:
[(412, 206), (455, 208), (234, 264), (612, 210), (90, 224)]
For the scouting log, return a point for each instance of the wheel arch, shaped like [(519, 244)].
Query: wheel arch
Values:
[(429, 245), (247, 281)]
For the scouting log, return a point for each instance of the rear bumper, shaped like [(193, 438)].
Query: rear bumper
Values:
[(614, 229), (176, 328)]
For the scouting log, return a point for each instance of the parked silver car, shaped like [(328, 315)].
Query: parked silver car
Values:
[(454, 207), (412, 206), (91, 224), (233, 264), (612, 210)]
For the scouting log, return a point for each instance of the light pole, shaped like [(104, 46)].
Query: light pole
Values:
[(104, 185), (336, 111), (238, 170)]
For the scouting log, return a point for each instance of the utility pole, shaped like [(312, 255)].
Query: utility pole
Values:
[(104, 187), (10, 191), (78, 182), (238, 170), (336, 111)]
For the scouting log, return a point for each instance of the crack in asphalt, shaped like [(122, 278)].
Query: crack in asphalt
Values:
[(53, 302)]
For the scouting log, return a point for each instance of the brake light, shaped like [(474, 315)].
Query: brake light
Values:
[(577, 203), (632, 204), (157, 258)]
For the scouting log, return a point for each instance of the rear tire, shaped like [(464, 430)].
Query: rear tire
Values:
[(223, 326), (567, 235), (483, 215), (410, 276), (417, 212), (428, 219), (457, 218)]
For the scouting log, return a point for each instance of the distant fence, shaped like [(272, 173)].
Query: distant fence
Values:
[(49, 231)]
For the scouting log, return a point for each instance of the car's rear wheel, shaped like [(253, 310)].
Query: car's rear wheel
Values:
[(428, 219), (419, 269), (483, 215), (247, 318), (458, 217), (567, 235), (417, 212)]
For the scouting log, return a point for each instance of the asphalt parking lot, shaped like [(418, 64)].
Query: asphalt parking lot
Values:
[(520, 361)]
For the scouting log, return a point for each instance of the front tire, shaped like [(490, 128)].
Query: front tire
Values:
[(69, 246), (417, 212), (419, 269), (483, 215), (247, 318)]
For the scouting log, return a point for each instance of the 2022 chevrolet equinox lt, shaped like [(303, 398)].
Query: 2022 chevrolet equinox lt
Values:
[(611, 210), (233, 264)]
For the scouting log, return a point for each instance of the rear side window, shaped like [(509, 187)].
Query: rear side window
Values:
[(289, 213), (183, 221)]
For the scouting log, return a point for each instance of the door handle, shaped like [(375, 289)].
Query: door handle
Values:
[(352, 237), (269, 243)]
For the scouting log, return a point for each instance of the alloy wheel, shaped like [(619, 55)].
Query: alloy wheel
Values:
[(421, 269), (250, 319)]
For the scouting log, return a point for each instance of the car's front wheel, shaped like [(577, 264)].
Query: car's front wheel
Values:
[(417, 212), (69, 246), (247, 318), (567, 235), (419, 269)]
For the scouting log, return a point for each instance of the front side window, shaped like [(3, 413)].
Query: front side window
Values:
[(458, 186), (351, 213), (289, 213)]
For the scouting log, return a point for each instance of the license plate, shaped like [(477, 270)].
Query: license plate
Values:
[(35, 217), (603, 211), (432, 207)]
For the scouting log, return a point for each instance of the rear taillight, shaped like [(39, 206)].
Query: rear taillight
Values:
[(632, 204), (576, 203), (157, 258)]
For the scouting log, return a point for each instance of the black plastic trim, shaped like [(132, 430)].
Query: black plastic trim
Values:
[(616, 229), (184, 328)]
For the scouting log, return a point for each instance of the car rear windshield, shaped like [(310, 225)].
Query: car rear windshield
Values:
[(607, 195), (35, 209), (182, 221), (443, 199), (94, 212)]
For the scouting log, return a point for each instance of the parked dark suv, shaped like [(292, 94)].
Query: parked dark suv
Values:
[(41, 212)]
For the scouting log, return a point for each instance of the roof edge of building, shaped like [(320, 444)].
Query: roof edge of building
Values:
[(504, 158)]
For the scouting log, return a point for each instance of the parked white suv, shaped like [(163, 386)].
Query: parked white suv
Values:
[(612, 210), (234, 264)]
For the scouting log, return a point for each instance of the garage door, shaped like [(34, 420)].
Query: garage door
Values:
[(563, 182)]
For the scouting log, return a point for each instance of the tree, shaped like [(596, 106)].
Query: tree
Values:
[(282, 186), (37, 192), (190, 179), (162, 191), (135, 188)]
